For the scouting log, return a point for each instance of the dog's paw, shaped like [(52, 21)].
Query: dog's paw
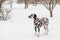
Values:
[(45, 33), (38, 35)]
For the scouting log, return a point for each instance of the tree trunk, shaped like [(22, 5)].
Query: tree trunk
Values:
[(26, 4), (51, 15), (11, 4)]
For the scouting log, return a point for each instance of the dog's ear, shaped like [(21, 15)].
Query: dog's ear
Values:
[(35, 16)]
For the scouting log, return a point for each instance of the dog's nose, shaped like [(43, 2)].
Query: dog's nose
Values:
[(29, 16)]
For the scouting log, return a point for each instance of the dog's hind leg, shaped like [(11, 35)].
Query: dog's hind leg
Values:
[(46, 30)]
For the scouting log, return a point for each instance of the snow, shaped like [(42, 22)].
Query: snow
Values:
[(20, 27)]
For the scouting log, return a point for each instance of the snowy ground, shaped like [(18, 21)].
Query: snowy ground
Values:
[(20, 27)]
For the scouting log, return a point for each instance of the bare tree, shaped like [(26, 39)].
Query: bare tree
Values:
[(34, 2), (7, 10), (50, 5)]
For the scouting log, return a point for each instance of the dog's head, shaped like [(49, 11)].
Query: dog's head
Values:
[(33, 16)]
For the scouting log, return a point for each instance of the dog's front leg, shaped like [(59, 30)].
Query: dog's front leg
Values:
[(38, 32), (35, 30)]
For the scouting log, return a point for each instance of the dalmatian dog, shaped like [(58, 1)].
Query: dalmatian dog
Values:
[(38, 23)]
